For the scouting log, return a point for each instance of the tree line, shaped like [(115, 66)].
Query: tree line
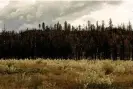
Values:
[(66, 41)]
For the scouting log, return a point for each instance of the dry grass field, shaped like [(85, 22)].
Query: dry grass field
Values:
[(66, 74)]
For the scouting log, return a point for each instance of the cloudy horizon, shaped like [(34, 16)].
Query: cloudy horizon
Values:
[(20, 14)]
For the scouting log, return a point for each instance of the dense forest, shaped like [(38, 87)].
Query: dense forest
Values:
[(93, 41)]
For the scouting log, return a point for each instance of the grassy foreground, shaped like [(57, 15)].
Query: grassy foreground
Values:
[(66, 74)]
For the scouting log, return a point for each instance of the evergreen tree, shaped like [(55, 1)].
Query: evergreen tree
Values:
[(129, 27), (43, 26), (39, 26), (65, 26), (103, 24), (110, 24)]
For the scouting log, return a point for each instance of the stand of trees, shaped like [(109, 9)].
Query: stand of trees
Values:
[(91, 42)]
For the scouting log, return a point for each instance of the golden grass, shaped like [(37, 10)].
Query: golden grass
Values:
[(66, 74)]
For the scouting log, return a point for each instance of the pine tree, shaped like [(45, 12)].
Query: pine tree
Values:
[(65, 26), (89, 25), (97, 25), (73, 28), (129, 27), (39, 26), (110, 24), (123, 26), (43, 26), (58, 26), (103, 24), (69, 27), (79, 27)]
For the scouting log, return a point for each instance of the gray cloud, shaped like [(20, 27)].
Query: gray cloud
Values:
[(114, 2), (18, 16)]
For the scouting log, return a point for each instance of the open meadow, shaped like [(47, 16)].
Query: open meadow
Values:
[(66, 74)]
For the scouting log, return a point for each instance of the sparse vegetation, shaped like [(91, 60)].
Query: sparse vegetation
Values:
[(66, 74)]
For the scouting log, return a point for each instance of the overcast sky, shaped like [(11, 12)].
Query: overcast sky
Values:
[(20, 14)]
